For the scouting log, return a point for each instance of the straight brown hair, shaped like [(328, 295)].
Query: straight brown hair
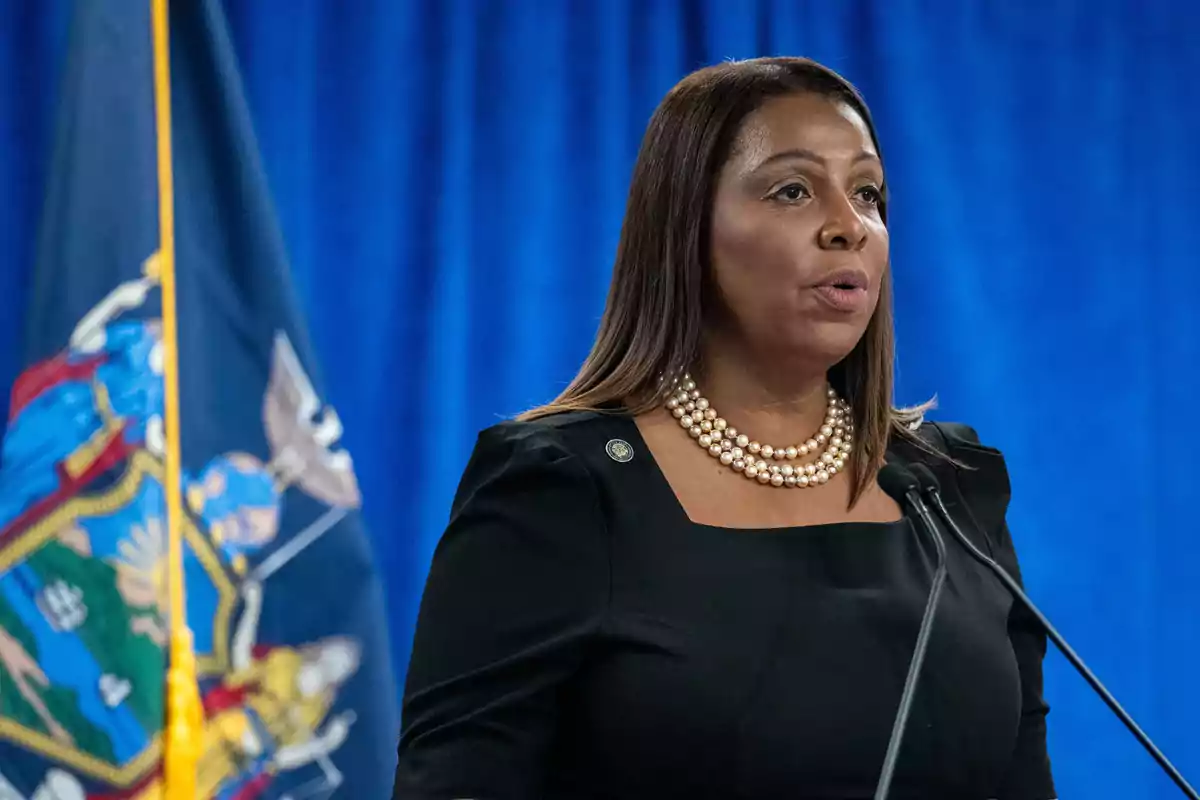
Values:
[(650, 332)]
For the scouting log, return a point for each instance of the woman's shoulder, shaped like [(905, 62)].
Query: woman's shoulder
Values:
[(958, 440), (954, 450), (555, 444), (964, 465), (560, 435), (530, 462)]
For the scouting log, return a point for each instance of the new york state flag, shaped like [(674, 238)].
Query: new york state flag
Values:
[(296, 688)]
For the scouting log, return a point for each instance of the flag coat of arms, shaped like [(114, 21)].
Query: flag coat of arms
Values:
[(297, 693)]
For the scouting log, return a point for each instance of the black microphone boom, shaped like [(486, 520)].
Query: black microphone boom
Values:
[(929, 485), (902, 486)]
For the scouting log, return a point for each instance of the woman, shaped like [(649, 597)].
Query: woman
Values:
[(680, 578)]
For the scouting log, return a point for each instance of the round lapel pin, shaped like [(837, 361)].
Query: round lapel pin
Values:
[(619, 450)]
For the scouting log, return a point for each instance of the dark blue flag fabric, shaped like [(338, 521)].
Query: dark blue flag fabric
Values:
[(297, 690)]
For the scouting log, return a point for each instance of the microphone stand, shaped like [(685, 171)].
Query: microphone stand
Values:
[(930, 486), (903, 483)]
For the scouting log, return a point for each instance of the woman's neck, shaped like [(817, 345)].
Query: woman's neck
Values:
[(773, 403)]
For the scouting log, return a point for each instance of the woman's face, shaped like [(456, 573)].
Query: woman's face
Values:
[(798, 244)]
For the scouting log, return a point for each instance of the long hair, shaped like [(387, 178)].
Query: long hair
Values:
[(651, 329)]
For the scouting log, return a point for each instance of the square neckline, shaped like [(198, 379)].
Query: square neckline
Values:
[(664, 487)]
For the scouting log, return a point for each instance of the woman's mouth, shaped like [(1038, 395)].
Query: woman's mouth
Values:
[(844, 291), (846, 298)]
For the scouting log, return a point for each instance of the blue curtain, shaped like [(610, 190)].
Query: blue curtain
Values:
[(450, 177)]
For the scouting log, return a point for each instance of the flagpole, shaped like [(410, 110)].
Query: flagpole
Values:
[(181, 750)]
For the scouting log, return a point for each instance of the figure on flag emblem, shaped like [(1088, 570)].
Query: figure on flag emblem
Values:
[(87, 407)]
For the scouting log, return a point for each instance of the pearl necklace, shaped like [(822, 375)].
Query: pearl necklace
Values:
[(736, 450)]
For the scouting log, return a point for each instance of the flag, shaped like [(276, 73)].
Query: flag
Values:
[(297, 692)]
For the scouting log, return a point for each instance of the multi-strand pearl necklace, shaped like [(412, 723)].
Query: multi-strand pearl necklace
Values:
[(754, 460)]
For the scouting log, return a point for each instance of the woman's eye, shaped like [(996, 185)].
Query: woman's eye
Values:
[(792, 192), (871, 194)]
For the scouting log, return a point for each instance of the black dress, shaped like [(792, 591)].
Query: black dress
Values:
[(581, 638)]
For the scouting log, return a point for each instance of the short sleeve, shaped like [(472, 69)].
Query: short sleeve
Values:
[(986, 485), (518, 587)]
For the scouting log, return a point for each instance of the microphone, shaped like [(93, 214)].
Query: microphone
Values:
[(903, 487), (930, 487)]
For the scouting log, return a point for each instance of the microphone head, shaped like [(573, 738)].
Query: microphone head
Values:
[(926, 478), (897, 481)]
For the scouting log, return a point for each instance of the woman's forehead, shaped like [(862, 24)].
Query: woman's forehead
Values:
[(826, 127)]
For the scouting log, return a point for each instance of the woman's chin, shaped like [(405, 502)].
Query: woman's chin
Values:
[(823, 343)]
